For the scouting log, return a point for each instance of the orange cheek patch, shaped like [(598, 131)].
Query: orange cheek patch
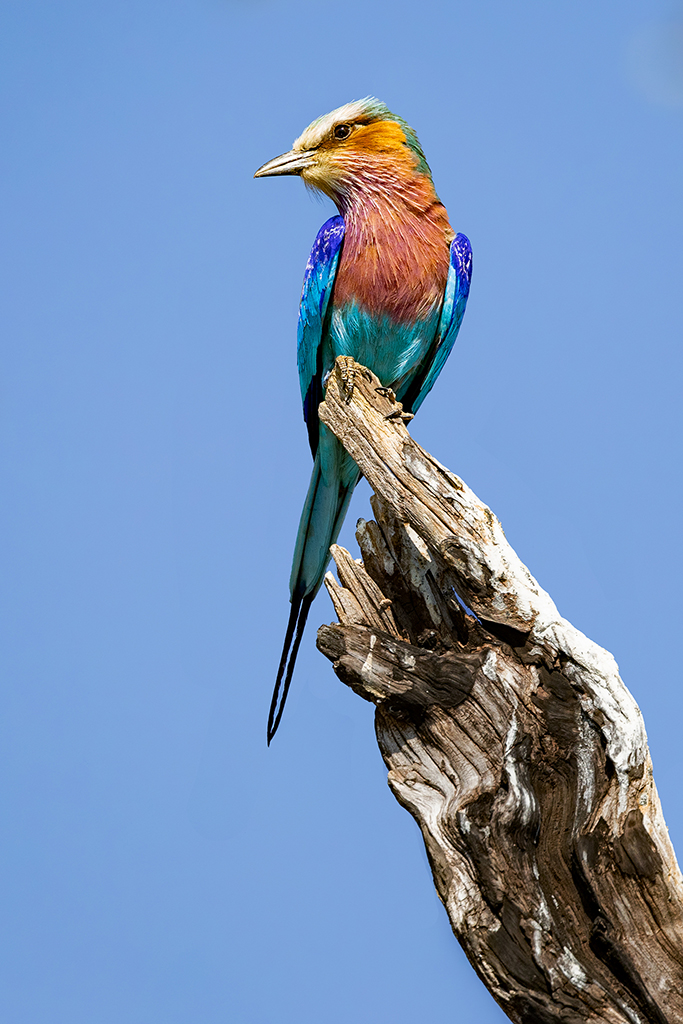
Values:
[(377, 138)]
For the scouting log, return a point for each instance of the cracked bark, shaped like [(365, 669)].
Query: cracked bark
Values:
[(509, 737)]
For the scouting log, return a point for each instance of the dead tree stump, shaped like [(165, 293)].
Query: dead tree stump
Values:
[(509, 737)]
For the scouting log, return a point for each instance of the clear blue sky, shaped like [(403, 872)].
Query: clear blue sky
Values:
[(159, 864)]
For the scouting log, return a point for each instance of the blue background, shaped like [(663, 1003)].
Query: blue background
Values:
[(158, 863)]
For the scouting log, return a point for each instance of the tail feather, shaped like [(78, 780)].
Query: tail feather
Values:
[(321, 519), (297, 620)]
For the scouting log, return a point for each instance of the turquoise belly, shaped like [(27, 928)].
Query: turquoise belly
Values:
[(393, 351)]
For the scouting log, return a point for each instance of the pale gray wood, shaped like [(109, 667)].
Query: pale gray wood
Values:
[(509, 736)]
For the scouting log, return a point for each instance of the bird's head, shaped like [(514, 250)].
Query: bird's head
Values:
[(354, 146)]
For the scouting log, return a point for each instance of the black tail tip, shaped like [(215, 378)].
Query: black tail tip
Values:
[(297, 621)]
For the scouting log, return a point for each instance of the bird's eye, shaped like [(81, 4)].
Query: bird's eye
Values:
[(342, 131)]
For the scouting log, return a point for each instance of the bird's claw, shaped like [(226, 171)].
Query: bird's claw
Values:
[(347, 368), (399, 414)]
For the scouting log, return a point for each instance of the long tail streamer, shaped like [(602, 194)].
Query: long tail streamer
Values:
[(297, 621)]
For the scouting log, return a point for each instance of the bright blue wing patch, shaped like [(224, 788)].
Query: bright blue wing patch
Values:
[(454, 302), (318, 281)]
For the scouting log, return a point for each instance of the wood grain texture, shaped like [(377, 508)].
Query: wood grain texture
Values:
[(511, 739)]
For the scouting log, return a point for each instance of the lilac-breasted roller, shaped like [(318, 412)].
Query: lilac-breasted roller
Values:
[(386, 283)]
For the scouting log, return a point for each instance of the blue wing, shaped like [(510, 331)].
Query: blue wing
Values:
[(318, 281), (454, 302)]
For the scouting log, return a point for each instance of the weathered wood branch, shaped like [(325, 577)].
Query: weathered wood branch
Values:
[(510, 738)]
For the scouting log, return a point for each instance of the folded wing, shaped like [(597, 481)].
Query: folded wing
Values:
[(455, 300), (318, 283)]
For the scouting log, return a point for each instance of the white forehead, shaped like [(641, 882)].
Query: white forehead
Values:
[(316, 132)]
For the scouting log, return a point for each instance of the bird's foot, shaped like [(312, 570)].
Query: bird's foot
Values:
[(347, 368), (399, 414), (396, 413)]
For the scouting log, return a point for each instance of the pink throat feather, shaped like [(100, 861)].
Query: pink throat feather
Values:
[(396, 252)]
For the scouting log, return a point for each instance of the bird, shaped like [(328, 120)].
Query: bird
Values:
[(386, 283)]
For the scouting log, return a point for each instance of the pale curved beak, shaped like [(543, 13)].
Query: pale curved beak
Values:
[(289, 163)]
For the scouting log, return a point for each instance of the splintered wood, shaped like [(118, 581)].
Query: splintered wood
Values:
[(509, 736)]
